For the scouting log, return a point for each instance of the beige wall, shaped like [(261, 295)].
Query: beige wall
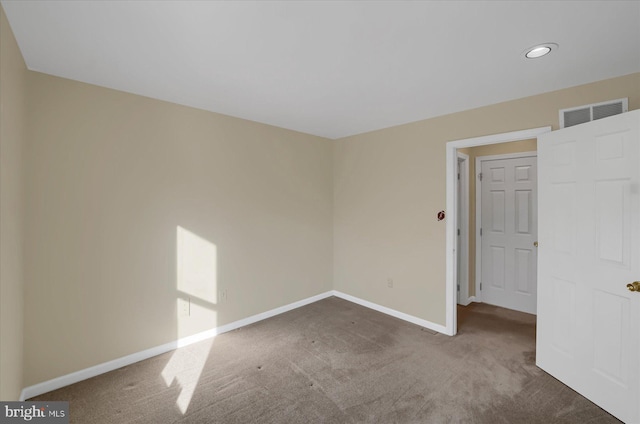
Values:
[(389, 185), (113, 178), (473, 153), (12, 140)]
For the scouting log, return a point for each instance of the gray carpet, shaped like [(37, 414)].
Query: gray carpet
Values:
[(337, 362)]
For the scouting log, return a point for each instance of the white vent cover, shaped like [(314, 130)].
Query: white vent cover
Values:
[(581, 114)]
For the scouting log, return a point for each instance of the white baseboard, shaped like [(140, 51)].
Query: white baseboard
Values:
[(65, 380), (401, 315), (74, 377), (469, 301)]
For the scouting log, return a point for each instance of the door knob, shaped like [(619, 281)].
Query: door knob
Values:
[(535, 243), (635, 286)]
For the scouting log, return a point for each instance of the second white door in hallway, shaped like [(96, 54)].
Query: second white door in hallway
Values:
[(509, 232)]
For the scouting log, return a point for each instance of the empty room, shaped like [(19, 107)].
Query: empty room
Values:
[(319, 211)]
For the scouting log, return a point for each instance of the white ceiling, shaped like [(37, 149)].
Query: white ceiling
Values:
[(329, 68)]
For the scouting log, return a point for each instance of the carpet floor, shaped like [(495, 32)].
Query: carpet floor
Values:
[(337, 362)]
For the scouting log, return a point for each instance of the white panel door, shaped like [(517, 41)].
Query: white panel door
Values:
[(509, 231), (589, 231)]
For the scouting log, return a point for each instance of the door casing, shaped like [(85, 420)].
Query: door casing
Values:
[(451, 323)]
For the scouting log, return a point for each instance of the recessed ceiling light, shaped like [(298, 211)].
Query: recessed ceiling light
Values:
[(539, 50)]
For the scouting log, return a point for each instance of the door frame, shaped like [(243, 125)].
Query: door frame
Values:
[(479, 160), (451, 316), (462, 219)]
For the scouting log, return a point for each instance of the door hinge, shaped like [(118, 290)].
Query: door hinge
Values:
[(480, 286), (480, 176), (458, 287), (458, 175), (458, 231), (480, 232)]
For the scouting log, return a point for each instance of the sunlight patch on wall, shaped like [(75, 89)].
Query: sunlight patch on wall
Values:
[(197, 266), (196, 297)]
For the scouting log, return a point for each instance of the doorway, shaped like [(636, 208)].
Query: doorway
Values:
[(452, 205), (462, 230)]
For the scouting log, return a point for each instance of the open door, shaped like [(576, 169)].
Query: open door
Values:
[(588, 331)]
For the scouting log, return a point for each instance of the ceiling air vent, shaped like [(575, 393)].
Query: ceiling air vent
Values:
[(581, 114)]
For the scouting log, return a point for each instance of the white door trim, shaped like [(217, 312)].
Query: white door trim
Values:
[(479, 161), (451, 324), (463, 224)]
